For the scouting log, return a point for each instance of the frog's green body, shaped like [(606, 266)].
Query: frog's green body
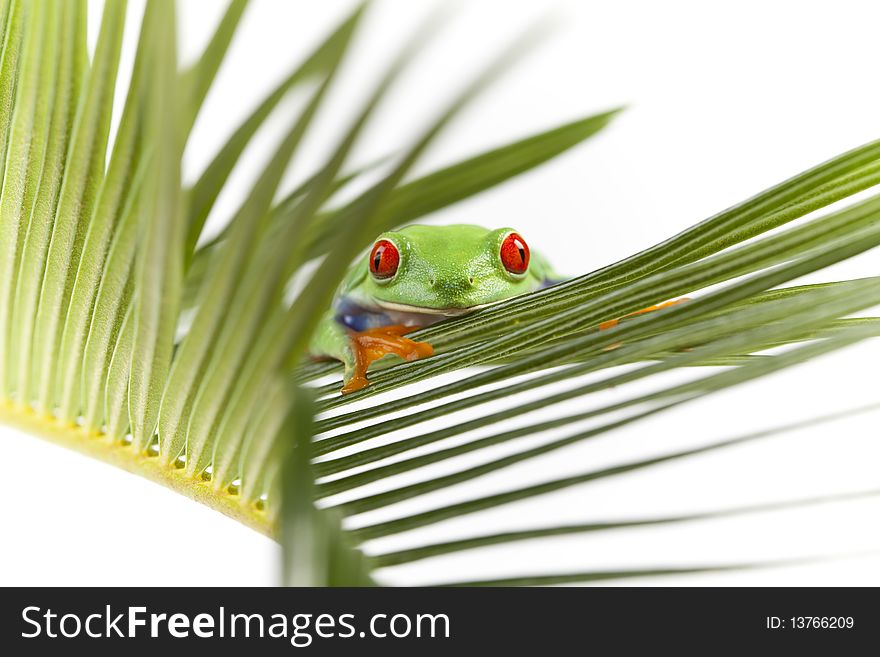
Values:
[(439, 271)]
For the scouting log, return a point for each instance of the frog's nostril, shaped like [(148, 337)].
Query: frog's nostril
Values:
[(471, 280), (433, 282)]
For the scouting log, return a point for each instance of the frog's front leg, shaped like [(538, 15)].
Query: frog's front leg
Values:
[(359, 349), (372, 344)]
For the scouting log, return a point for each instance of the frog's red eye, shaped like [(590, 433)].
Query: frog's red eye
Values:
[(515, 254), (384, 259)]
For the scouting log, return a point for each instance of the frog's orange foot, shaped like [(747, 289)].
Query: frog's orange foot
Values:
[(371, 345), (611, 323)]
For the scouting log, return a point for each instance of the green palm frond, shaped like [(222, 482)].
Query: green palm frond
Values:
[(129, 334)]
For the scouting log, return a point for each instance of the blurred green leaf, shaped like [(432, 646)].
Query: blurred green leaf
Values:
[(206, 190), (197, 80)]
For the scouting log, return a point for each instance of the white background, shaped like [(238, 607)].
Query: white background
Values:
[(723, 101)]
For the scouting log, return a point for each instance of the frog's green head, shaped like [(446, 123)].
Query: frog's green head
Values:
[(448, 269)]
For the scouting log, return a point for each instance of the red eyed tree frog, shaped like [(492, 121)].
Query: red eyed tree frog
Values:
[(414, 277)]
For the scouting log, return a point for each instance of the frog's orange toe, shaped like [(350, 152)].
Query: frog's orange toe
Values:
[(355, 383), (371, 345)]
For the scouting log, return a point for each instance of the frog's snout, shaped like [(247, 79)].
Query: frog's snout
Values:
[(452, 284)]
